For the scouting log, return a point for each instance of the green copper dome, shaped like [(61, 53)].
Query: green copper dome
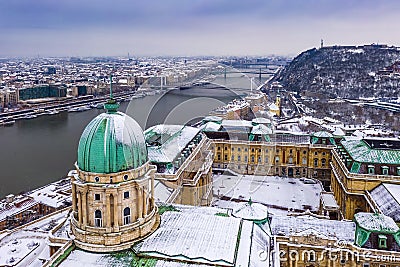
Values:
[(112, 142)]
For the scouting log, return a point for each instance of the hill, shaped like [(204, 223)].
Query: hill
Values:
[(345, 71)]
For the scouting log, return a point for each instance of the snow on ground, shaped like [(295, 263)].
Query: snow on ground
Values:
[(272, 191)]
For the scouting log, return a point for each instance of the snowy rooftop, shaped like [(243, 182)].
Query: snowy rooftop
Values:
[(237, 123), (195, 237), (261, 120), (272, 191), (261, 129), (376, 222), (322, 134), (251, 211), (211, 127), (162, 192), (288, 225), (172, 139), (192, 236), (387, 197), (329, 201), (53, 195), (18, 205), (360, 151)]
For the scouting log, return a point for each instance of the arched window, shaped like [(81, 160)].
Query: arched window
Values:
[(127, 215), (290, 160), (98, 221), (315, 162)]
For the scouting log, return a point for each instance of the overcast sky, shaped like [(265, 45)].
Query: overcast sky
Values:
[(191, 27)]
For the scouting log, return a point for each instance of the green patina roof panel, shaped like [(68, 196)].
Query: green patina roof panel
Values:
[(110, 143), (362, 152)]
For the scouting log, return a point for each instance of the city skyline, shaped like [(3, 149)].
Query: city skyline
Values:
[(180, 28)]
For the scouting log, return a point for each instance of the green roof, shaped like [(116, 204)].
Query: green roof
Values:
[(360, 151), (112, 142), (322, 134), (376, 222)]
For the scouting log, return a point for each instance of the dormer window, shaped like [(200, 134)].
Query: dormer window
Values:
[(385, 170), (398, 170), (371, 169), (382, 241)]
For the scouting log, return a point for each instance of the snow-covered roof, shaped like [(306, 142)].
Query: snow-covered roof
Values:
[(338, 132), (329, 201), (387, 197), (162, 192), (251, 211), (322, 134), (212, 118), (376, 222), (194, 238), (51, 196), (15, 207), (272, 191), (360, 151), (173, 139), (261, 120), (236, 123), (261, 129), (273, 106), (211, 127), (288, 225)]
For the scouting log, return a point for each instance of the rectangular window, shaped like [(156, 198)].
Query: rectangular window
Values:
[(97, 197), (226, 157), (382, 241), (238, 158), (232, 158), (126, 194), (371, 169)]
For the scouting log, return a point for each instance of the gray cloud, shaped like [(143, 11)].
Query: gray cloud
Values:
[(181, 27)]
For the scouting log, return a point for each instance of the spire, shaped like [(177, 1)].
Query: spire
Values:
[(111, 106)]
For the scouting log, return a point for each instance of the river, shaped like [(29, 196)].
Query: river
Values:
[(42, 150)]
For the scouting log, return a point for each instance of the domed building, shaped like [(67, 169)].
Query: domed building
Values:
[(113, 185)]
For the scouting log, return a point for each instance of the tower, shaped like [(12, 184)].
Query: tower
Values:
[(113, 185), (278, 104)]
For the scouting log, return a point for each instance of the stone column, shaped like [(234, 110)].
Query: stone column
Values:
[(80, 208), (117, 214), (145, 194), (108, 211), (73, 189), (84, 207), (140, 202)]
